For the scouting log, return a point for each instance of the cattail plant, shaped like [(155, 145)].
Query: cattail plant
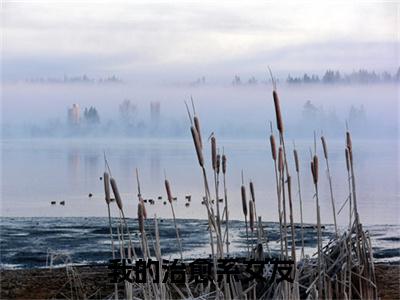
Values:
[(244, 207), (214, 162), (281, 169), (106, 180), (251, 221), (169, 196), (325, 148), (278, 189), (253, 198), (289, 189), (118, 200), (226, 202), (314, 172), (196, 135), (297, 166), (140, 212)]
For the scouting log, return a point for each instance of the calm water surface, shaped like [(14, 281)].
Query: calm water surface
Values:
[(38, 171)]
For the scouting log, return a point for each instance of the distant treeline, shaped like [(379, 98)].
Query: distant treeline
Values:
[(74, 79), (330, 77), (360, 76)]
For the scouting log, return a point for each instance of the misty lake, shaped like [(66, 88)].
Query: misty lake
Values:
[(38, 171)]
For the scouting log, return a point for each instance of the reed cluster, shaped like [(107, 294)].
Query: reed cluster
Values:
[(341, 268)]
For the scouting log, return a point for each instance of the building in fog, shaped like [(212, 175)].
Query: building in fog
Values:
[(74, 117), (155, 112)]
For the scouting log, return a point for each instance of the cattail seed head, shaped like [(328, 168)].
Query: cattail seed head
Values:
[(289, 184), (116, 193), (244, 204), (315, 165), (214, 153), (312, 170), (223, 163), (197, 126), (325, 147), (218, 163), (144, 207), (350, 156), (251, 215), (140, 217), (279, 121), (348, 141), (347, 159), (296, 160), (253, 197), (197, 145), (280, 160), (273, 146), (168, 189), (106, 179)]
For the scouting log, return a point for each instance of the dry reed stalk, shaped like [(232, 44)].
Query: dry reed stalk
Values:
[(325, 148), (169, 195), (297, 166)]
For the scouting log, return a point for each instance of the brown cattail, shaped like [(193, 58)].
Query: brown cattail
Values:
[(280, 160), (289, 184), (197, 126), (214, 153), (347, 159), (296, 160), (106, 179), (312, 170), (223, 163), (218, 163), (251, 215), (140, 217), (116, 193), (168, 189), (348, 141), (315, 165), (350, 156), (253, 197), (324, 147), (273, 146), (197, 145), (144, 207), (279, 122), (244, 204)]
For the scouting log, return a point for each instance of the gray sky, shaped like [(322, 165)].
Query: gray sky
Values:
[(182, 41)]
